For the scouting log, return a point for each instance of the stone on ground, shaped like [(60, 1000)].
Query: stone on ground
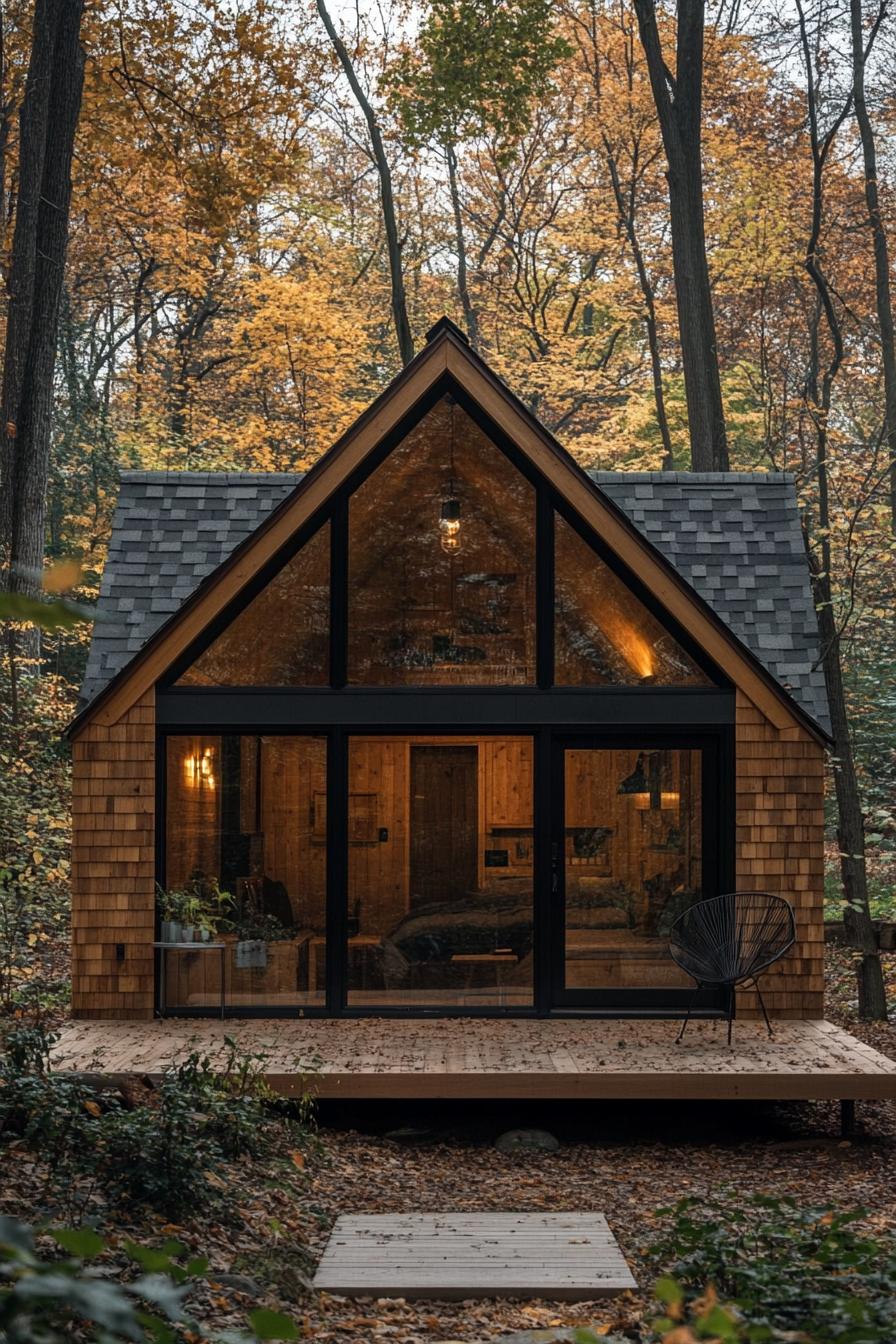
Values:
[(527, 1140)]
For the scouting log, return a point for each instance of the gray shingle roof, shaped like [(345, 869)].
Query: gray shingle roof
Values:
[(736, 538)]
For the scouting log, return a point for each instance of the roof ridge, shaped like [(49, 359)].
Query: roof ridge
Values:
[(186, 477), (598, 474), (693, 477)]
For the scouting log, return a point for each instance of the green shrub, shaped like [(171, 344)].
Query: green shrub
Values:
[(204, 1116), (42, 1302), (783, 1267), (50, 1301), (165, 1153), (44, 1109)]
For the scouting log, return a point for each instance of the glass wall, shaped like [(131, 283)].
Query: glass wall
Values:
[(633, 861), (442, 562), (245, 866), (603, 635), (440, 872), (281, 638)]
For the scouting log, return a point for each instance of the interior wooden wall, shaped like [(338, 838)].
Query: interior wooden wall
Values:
[(293, 770), (593, 799), (780, 840), (113, 865), (194, 844), (378, 873)]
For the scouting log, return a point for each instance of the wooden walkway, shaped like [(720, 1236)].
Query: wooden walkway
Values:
[(570, 1257), (514, 1058)]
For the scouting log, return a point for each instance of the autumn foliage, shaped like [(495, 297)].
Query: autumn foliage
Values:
[(227, 294)]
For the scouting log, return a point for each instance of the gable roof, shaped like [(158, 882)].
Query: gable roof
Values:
[(167, 576), (735, 537)]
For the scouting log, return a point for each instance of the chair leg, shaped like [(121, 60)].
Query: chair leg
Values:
[(730, 1013), (688, 1014), (768, 1025)]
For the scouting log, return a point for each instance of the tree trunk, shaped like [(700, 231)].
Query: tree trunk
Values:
[(819, 389), (878, 237), (626, 211), (387, 198), (679, 105), (850, 820), (463, 291), (48, 122)]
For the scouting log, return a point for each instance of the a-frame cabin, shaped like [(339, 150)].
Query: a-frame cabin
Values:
[(459, 726)]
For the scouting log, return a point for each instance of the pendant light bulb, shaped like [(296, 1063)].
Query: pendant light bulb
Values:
[(449, 526)]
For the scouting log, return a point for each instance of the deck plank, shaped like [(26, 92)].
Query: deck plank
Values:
[(513, 1059)]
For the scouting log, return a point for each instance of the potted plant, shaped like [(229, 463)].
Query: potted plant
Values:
[(213, 908), (193, 912), (170, 905)]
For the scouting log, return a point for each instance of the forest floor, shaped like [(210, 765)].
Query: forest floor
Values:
[(627, 1161)]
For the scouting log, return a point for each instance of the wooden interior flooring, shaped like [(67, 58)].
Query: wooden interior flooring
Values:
[(492, 1058)]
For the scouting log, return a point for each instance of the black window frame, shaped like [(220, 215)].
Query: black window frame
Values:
[(717, 745), (335, 510), (551, 714)]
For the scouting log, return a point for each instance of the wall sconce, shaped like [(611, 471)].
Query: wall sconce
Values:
[(637, 784), (199, 768), (643, 786)]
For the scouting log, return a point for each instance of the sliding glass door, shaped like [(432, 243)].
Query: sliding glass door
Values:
[(440, 872), (634, 844)]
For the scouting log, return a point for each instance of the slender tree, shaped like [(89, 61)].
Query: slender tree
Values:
[(477, 68), (861, 49), (821, 374), (47, 125), (679, 105), (387, 195)]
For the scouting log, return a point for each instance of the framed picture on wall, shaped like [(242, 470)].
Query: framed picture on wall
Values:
[(362, 810), (362, 819), (590, 847)]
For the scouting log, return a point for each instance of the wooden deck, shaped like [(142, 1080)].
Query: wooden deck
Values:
[(571, 1257), (492, 1058)]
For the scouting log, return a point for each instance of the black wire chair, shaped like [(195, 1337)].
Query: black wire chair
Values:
[(730, 940)]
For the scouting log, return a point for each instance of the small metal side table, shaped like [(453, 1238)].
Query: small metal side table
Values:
[(187, 947)]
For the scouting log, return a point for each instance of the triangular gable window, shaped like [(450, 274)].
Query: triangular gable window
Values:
[(603, 634), (441, 562), (282, 637), (438, 587)]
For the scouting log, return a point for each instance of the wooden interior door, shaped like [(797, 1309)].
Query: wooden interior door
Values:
[(444, 828)]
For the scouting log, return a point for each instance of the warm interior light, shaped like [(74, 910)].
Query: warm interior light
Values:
[(627, 640), (667, 801), (199, 768), (449, 526), (634, 648)]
